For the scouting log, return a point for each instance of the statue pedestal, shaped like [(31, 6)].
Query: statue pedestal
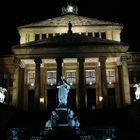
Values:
[(63, 116)]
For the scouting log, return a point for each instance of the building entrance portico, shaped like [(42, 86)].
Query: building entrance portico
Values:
[(72, 69)]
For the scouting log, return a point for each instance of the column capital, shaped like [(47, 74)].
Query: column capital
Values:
[(81, 59), (38, 60), (59, 60), (19, 63), (102, 58), (123, 58)]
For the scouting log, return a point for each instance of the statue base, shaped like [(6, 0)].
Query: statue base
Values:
[(62, 117)]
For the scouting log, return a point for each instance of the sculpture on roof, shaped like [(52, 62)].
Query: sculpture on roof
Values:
[(137, 92), (69, 27), (2, 94), (70, 9), (63, 90)]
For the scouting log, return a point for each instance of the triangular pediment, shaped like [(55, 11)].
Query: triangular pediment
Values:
[(63, 20)]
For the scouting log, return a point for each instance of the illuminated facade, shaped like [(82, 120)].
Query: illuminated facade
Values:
[(94, 61)]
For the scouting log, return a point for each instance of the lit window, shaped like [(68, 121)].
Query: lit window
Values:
[(51, 78), (90, 77), (71, 77), (110, 73), (31, 78)]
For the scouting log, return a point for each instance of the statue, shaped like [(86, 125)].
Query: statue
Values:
[(137, 92), (63, 90), (69, 27), (2, 95)]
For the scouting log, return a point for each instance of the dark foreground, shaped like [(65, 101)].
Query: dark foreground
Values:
[(120, 124)]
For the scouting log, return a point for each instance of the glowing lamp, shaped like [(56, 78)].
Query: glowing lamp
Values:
[(100, 98), (41, 99)]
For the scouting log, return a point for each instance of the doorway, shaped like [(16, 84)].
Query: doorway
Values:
[(31, 94), (91, 98), (52, 99), (111, 98), (72, 99)]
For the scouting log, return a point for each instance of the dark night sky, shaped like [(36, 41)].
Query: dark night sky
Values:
[(22, 12)]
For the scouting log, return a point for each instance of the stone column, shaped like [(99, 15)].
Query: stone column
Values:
[(21, 89), (103, 81), (125, 82), (81, 83), (18, 84), (37, 83), (120, 80), (59, 62)]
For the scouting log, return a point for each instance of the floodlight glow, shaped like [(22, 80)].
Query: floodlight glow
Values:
[(41, 99), (100, 98)]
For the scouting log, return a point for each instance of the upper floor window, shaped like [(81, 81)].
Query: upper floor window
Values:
[(71, 77), (89, 33), (43, 36), (37, 37), (51, 78), (134, 76), (83, 33), (110, 73), (96, 34), (6, 79), (57, 34), (50, 35), (103, 35), (90, 77), (31, 78)]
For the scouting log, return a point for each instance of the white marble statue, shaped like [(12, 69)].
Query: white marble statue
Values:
[(63, 90), (2, 94), (137, 92)]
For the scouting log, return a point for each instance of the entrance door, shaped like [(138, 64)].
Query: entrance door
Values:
[(31, 94), (91, 98), (72, 99), (52, 99), (111, 98)]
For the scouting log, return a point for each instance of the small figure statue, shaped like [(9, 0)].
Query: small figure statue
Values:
[(53, 120), (137, 92), (63, 90), (69, 27), (2, 94)]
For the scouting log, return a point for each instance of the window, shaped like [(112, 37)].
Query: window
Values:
[(51, 78), (6, 80), (103, 35), (31, 78), (90, 77), (43, 36), (50, 35), (96, 34), (134, 76), (37, 37), (57, 34), (83, 33), (110, 73), (89, 33), (71, 77)]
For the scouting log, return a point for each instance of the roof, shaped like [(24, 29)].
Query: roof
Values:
[(63, 20), (72, 40)]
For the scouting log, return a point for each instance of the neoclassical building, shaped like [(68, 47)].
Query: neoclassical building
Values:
[(88, 52)]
